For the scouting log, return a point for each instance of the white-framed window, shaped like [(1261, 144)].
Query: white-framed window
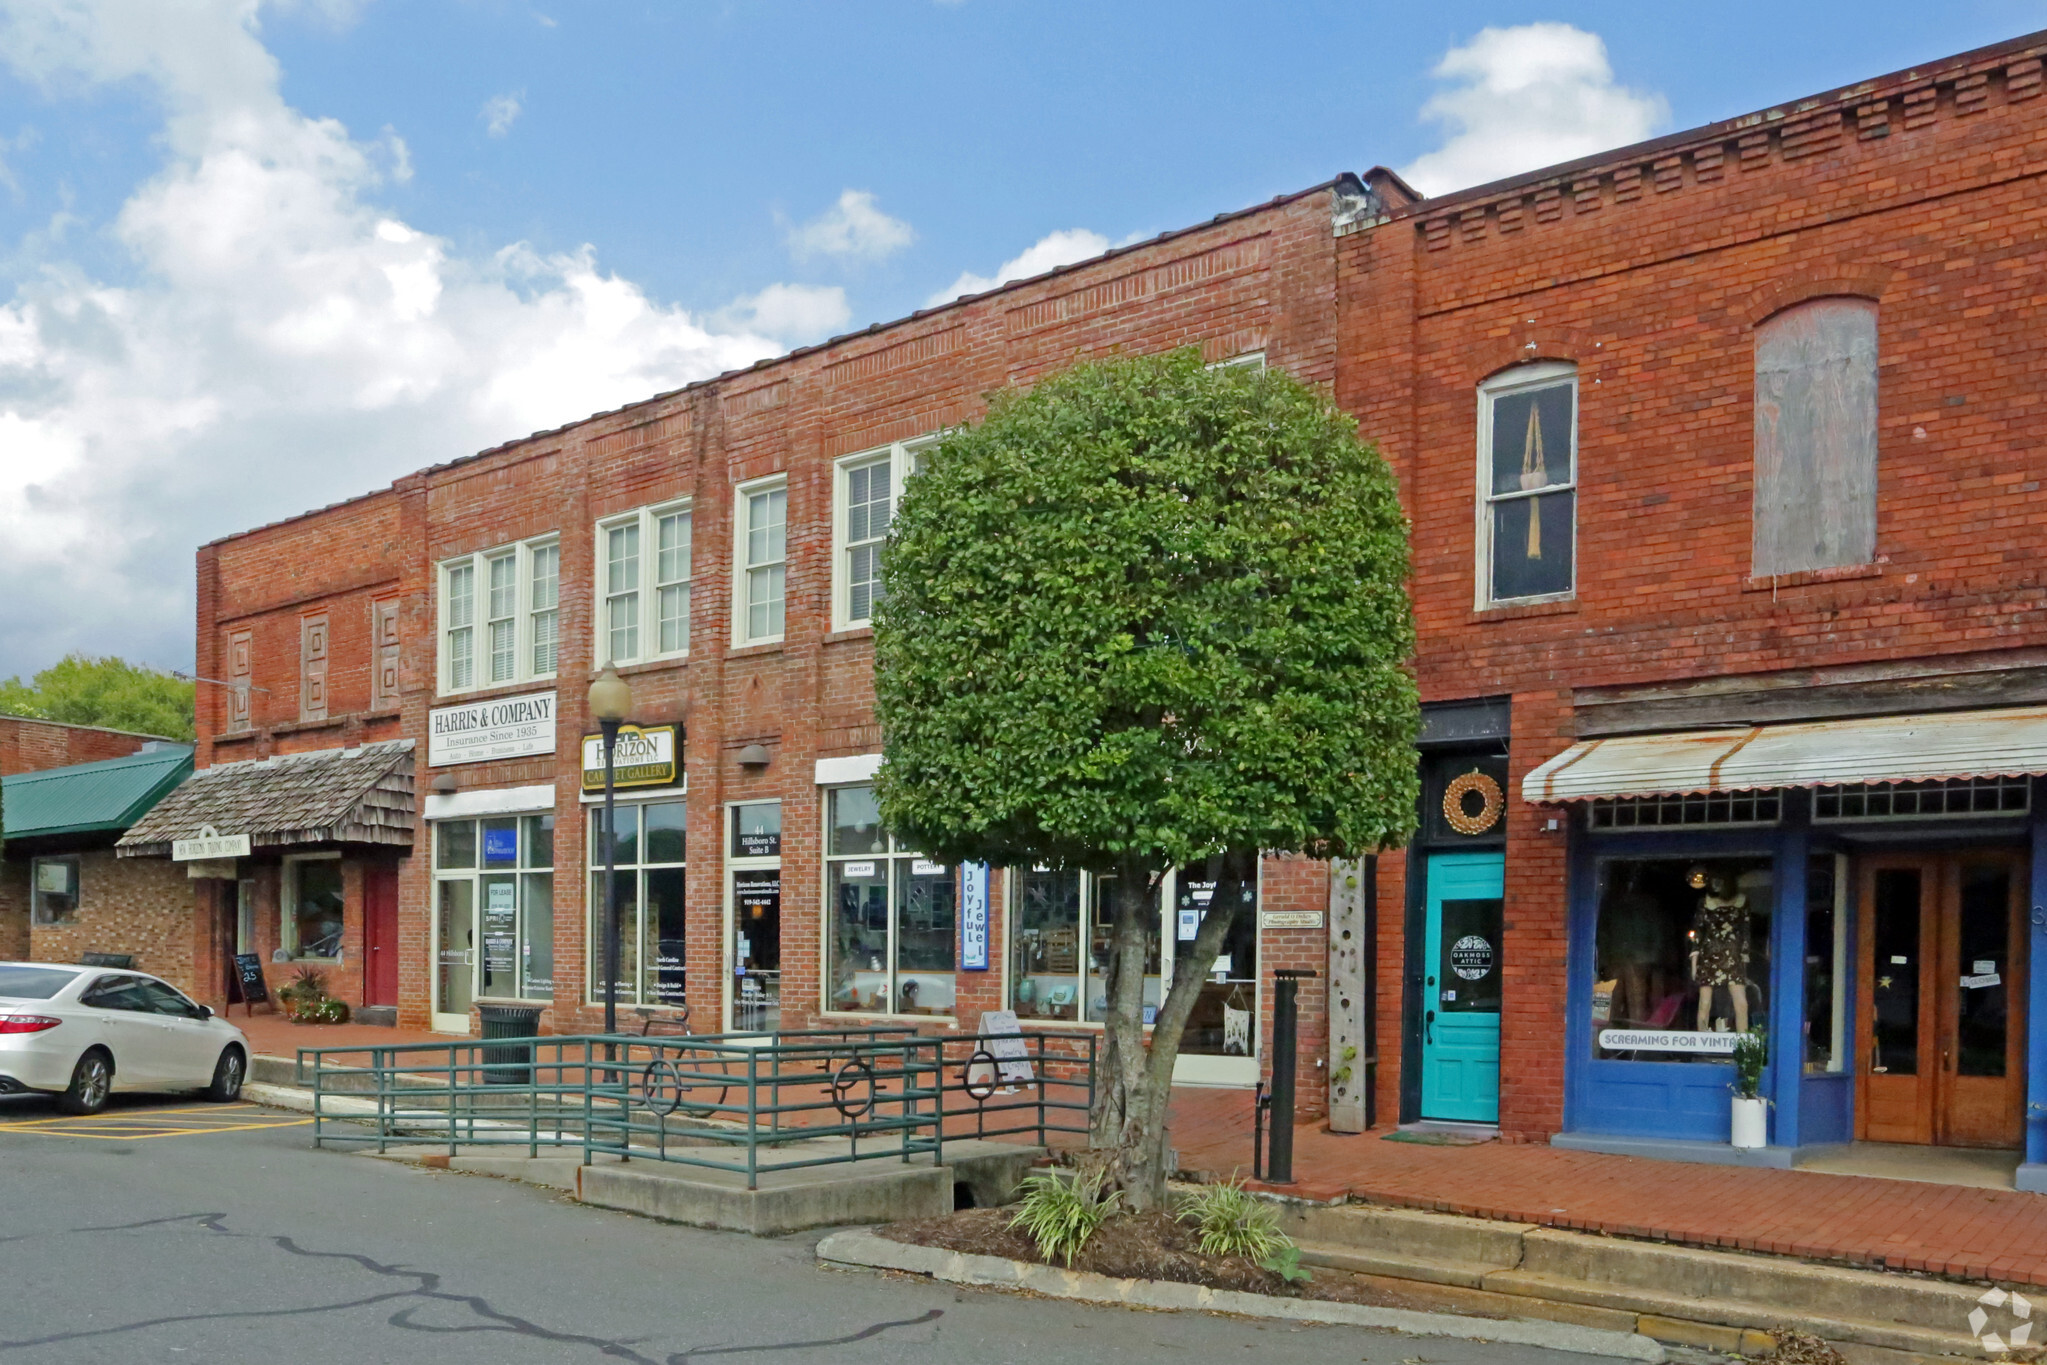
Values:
[(500, 615), (311, 915), (1249, 360), (761, 552), (865, 489), (643, 577), (53, 884), (892, 917), (1528, 484)]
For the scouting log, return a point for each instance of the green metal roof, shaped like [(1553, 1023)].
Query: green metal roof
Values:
[(87, 798)]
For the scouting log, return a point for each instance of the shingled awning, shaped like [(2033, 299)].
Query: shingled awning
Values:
[(350, 796)]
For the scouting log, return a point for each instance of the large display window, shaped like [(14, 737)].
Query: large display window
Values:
[(893, 917), (649, 867), (494, 910), (1683, 957)]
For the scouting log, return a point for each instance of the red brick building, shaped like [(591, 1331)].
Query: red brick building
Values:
[(1715, 446)]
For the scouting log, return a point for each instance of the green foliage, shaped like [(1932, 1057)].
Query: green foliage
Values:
[(1231, 1221), (82, 690), (1062, 1212), (1751, 1054), (1286, 1263), (1142, 613)]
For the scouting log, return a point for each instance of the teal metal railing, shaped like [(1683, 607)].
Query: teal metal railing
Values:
[(748, 1104)]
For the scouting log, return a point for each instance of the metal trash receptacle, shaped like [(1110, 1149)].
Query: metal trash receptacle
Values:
[(510, 1063)]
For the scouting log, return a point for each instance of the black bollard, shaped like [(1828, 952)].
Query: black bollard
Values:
[(1286, 1010)]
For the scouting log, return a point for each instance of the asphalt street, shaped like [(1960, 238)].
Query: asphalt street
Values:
[(230, 1238)]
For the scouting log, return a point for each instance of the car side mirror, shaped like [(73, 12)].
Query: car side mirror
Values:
[(206, 1011)]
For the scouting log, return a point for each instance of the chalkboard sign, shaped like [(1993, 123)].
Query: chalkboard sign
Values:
[(245, 984)]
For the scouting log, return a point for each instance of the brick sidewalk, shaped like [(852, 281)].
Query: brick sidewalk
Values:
[(273, 1035), (1883, 1224)]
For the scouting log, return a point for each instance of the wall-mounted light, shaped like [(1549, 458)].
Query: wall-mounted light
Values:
[(754, 756), (444, 783)]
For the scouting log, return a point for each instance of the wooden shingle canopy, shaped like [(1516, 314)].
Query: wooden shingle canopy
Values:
[(347, 796)]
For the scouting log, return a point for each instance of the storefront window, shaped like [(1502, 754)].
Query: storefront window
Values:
[(312, 911), (1683, 957), (650, 865), (494, 888), (1826, 963), (56, 890), (1059, 956), (894, 915)]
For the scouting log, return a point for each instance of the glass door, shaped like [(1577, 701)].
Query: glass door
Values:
[(454, 954), (753, 915)]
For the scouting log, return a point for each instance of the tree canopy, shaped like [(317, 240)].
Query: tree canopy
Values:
[(1142, 613), (80, 689)]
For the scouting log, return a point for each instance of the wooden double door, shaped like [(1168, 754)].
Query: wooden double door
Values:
[(1941, 998)]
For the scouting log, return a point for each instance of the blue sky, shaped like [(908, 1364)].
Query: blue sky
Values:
[(259, 258)]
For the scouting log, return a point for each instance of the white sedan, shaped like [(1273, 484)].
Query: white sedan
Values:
[(81, 1033)]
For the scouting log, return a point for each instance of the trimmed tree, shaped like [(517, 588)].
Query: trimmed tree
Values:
[(1148, 615)]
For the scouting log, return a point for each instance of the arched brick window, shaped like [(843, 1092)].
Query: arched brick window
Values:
[(1815, 451)]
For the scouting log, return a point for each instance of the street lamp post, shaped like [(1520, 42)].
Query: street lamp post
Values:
[(611, 701)]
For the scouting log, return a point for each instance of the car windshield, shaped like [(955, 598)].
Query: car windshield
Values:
[(33, 983)]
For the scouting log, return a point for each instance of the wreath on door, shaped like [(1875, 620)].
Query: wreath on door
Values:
[(1492, 803)]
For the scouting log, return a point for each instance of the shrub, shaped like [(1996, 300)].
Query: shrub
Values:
[(1061, 1213), (1231, 1221)]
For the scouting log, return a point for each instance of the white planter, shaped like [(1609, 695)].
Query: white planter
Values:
[(1751, 1122)]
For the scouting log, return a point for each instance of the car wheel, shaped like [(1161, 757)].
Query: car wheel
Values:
[(91, 1081), (227, 1076)]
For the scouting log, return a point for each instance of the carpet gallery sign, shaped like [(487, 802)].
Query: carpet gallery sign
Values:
[(503, 727)]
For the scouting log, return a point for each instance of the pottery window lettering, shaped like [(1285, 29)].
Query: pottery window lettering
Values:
[(1682, 950), (893, 922)]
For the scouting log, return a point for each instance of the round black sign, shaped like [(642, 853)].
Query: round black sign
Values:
[(1471, 957)]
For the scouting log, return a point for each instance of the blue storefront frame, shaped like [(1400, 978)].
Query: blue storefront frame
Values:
[(1687, 1102)]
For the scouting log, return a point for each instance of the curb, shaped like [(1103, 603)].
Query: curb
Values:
[(861, 1249)]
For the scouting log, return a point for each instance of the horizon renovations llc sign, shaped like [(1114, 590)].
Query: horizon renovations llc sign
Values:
[(478, 731), (643, 757)]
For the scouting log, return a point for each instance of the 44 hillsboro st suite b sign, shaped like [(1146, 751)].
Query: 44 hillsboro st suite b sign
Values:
[(478, 731)]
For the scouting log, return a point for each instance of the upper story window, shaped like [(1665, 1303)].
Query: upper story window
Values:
[(868, 485), (1528, 484), (761, 546), (1815, 453), (500, 615), (643, 569)]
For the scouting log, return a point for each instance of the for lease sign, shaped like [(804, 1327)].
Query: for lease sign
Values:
[(503, 727)]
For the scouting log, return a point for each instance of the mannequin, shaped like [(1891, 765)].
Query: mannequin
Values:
[(1631, 946), (1721, 957)]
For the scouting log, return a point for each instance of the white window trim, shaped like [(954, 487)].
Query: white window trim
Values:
[(1540, 374), (648, 519), (903, 458), (35, 895), (740, 494), (522, 641), (474, 876), (287, 918), (1249, 360)]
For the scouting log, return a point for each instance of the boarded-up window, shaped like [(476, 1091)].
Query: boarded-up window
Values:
[(1815, 495), (313, 667), (240, 666), (384, 633)]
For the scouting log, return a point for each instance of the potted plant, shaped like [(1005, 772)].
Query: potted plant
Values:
[(1751, 1122), (306, 1000)]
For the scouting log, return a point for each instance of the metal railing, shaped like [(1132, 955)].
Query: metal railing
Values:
[(748, 1104)]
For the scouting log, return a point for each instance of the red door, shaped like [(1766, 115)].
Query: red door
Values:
[(380, 934)]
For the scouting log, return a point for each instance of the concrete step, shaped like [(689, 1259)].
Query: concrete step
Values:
[(1713, 1300)]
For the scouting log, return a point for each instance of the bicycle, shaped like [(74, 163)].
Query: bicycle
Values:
[(662, 1088)]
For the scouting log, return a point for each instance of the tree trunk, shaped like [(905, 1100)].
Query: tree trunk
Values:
[(1133, 1084)]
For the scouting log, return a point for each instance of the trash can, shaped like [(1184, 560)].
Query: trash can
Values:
[(510, 1063)]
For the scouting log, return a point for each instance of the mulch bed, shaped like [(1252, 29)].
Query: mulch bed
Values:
[(1144, 1246)]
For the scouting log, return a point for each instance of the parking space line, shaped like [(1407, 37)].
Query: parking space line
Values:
[(141, 1124)]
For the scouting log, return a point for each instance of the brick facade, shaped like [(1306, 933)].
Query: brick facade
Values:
[(32, 746), (1648, 269), (141, 906)]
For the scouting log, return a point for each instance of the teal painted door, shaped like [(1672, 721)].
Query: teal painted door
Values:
[(1461, 1000)]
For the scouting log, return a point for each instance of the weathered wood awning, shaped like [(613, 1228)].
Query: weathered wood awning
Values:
[(2010, 742), (347, 796)]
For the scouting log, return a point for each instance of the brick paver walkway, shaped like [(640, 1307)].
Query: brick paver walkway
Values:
[(1884, 1224)]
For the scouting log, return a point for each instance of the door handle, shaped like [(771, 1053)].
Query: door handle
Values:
[(1428, 1032)]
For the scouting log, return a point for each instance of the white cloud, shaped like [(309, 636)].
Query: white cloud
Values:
[(1527, 97), (1050, 251), (276, 341), (853, 229), (795, 313), (499, 112)]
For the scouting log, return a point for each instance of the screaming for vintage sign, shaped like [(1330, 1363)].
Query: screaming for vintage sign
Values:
[(503, 727)]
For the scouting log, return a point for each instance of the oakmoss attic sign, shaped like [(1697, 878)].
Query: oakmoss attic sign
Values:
[(478, 731)]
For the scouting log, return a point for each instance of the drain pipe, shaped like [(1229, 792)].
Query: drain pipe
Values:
[(1371, 992)]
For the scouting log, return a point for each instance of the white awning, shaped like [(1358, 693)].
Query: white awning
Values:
[(1951, 744)]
